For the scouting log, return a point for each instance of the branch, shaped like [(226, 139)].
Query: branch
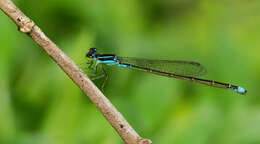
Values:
[(28, 27)]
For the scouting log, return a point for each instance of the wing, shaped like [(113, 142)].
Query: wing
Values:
[(184, 68)]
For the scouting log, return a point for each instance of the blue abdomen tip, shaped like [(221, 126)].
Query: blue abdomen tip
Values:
[(241, 90)]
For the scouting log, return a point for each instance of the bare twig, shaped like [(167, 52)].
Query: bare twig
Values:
[(27, 26)]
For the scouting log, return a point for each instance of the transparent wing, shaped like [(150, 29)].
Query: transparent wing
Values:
[(184, 68)]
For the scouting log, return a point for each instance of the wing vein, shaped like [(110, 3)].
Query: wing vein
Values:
[(184, 68)]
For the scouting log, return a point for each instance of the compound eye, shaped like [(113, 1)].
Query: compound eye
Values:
[(93, 50), (91, 53)]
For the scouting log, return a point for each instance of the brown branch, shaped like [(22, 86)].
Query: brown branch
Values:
[(27, 26)]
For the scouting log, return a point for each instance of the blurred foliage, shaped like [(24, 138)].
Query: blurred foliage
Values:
[(39, 104)]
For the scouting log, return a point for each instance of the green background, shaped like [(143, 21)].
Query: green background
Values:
[(39, 104)]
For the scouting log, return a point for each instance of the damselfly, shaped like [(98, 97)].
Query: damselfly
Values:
[(185, 70)]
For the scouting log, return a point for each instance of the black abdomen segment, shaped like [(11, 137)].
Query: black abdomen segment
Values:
[(237, 89)]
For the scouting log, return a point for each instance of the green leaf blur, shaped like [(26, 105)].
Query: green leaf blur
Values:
[(39, 104)]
